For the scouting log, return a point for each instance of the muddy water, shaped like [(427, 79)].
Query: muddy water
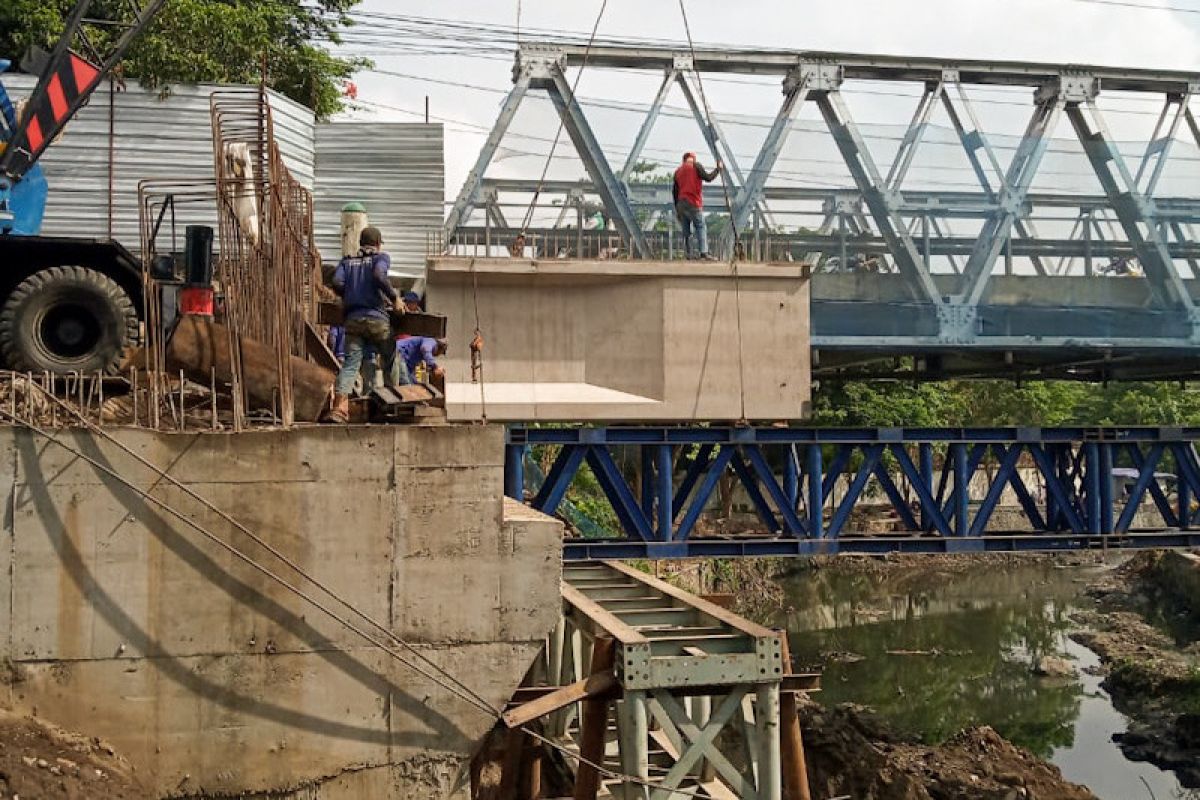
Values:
[(936, 652)]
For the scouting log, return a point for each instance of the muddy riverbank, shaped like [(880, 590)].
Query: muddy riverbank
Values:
[(1146, 632), (946, 651)]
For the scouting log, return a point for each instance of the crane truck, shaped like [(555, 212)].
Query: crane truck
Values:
[(67, 304)]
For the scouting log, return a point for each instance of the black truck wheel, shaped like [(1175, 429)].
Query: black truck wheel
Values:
[(66, 319)]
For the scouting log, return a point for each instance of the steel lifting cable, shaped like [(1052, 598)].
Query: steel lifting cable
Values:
[(448, 682), (737, 281), (477, 345), (562, 121)]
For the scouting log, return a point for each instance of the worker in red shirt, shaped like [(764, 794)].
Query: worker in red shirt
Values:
[(688, 192)]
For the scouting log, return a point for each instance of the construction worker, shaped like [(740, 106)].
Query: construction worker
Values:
[(688, 191), (417, 350), (412, 302), (517, 248), (367, 295)]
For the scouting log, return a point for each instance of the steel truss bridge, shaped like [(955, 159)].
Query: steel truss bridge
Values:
[(1009, 279), (806, 485)]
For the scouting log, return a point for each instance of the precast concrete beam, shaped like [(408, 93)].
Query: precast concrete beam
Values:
[(624, 340)]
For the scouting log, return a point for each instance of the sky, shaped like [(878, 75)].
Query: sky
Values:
[(1139, 33)]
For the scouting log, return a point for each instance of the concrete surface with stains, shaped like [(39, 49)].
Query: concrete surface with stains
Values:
[(124, 622)]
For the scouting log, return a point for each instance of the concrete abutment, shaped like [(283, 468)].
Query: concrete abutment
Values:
[(123, 622)]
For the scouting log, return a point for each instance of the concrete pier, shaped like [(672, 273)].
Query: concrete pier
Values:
[(123, 622), (624, 341)]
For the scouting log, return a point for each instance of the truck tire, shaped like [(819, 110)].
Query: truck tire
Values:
[(67, 319)]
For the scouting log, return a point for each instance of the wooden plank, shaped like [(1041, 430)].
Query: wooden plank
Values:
[(318, 350), (604, 620), (592, 686), (593, 725), (709, 609), (799, 682), (795, 766)]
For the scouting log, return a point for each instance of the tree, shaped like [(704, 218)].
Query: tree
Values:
[(215, 41)]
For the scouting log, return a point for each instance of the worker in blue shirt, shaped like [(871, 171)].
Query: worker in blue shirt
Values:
[(367, 296), (416, 350)]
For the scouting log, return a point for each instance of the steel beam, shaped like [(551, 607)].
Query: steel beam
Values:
[(997, 229), (883, 204), (868, 66), (464, 204), (643, 134), (795, 90), (1073, 464), (595, 162), (1136, 212)]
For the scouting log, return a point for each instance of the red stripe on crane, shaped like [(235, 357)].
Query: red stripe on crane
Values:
[(58, 101), (85, 74), (34, 135)]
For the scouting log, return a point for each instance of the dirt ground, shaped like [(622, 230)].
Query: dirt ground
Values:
[(852, 753), (41, 762), (1152, 675)]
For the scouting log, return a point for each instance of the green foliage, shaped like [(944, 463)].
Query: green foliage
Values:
[(998, 403), (215, 41)]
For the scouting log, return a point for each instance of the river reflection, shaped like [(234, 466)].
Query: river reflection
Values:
[(938, 651)]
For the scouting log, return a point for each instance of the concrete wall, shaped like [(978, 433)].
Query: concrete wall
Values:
[(125, 623), (625, 341)]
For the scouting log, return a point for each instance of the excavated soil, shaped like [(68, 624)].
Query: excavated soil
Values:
[(39, 761), (852, 753)]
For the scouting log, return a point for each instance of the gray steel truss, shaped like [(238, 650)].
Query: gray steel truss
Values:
[(951, 296), (693, 691)]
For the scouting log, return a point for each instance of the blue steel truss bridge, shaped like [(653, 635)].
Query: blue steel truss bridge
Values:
[(810, 489), (1016, 220)]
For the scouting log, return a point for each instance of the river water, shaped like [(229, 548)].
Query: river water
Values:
[(935, 652)]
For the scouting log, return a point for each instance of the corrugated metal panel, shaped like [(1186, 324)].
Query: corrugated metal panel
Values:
[(156, 137), (396, 170)]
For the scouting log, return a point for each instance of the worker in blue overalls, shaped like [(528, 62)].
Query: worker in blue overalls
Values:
[(367, 297), (417, 350)]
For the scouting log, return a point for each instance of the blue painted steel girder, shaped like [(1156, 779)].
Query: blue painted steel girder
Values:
[(1062, 480)]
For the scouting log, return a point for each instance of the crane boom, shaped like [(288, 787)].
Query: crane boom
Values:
[(88, 49)]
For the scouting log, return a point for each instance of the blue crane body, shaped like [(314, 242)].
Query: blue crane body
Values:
[(23, 203)]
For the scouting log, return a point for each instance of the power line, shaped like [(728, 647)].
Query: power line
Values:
[(1140, 6)]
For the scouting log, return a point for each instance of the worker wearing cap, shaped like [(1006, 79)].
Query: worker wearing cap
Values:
[(367, 296), (688, 191), (412, 302), (417, 350)]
